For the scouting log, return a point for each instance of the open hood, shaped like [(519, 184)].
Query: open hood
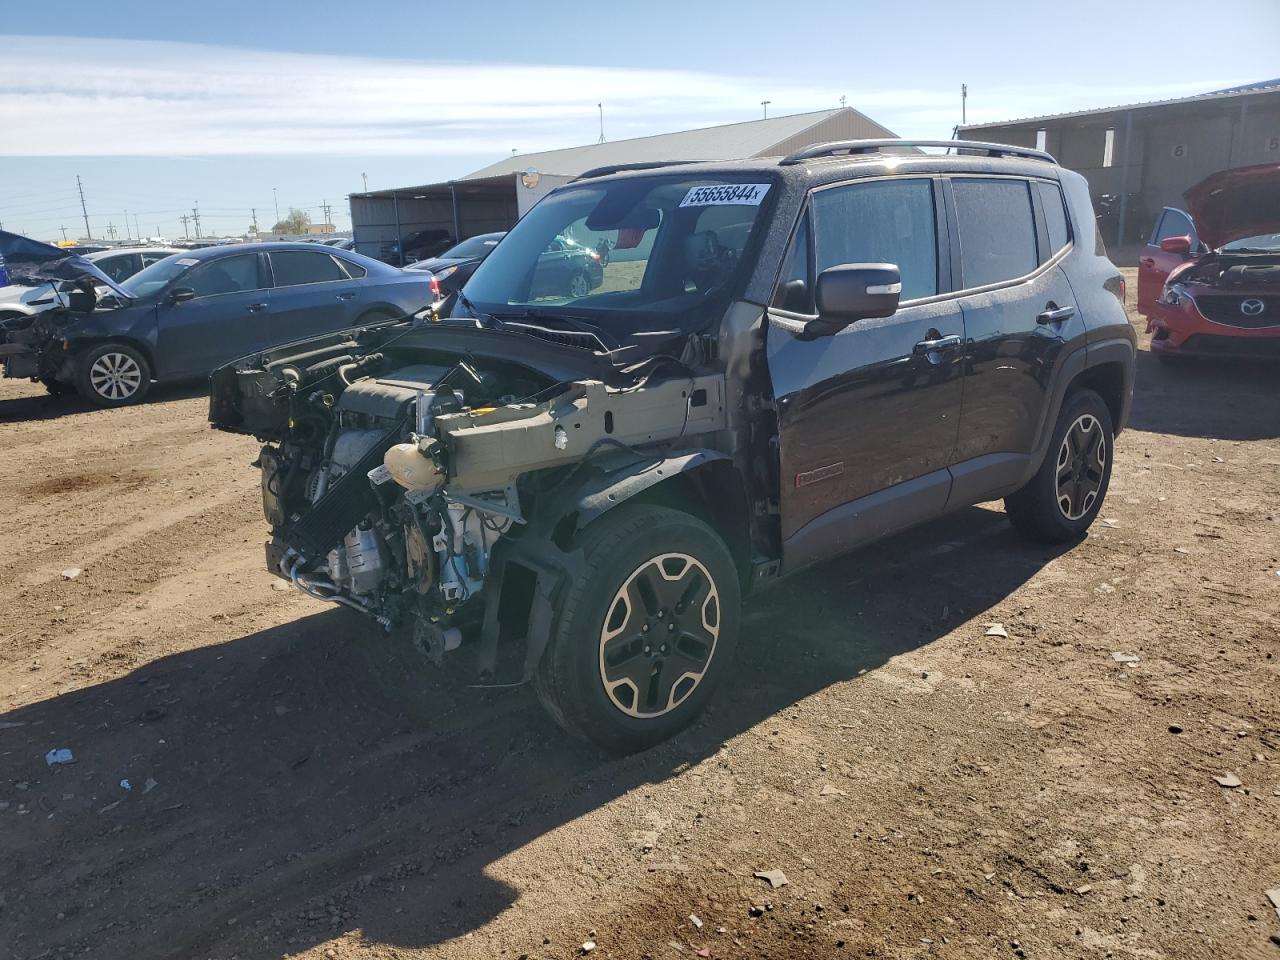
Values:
[(1234, 204), (32, 263)]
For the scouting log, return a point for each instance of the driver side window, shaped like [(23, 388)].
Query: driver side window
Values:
[(227, 275)]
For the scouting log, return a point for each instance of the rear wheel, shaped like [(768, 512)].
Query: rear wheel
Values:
[(1063, 498), (645, 633), (113, 375)]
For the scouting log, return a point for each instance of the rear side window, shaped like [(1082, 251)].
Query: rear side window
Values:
[(997, 230), (227, 275), (294, 267), (1055, 215), (886, 221), (118, 268), (352, 270)]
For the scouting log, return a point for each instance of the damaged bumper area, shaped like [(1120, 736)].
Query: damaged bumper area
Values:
[(433, 478), (32, 347)]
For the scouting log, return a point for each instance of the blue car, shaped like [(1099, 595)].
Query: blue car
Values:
[(189, 313)]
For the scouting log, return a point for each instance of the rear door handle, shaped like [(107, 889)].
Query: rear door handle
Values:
[(1055, 314), (347, 296), (942, 343), (1148, 261), (256, 307)]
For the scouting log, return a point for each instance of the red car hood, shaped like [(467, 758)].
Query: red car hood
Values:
[(1234, 204)]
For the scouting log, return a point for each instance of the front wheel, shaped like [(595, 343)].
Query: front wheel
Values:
[(1063, 498), (645, 633), (113, 375), (579, 286)]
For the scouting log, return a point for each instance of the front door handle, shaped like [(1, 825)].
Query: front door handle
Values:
[(256, 307), (347, 296), (1148, 261), (1053, 313), (942, 343)]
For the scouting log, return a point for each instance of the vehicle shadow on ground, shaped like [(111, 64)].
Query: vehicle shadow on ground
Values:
[(44, 406), (1213, 398), (294, 783)]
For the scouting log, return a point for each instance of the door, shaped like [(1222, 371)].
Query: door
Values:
[(226, 318), (312, 294), (1019, 318), (1155, 264), (867, 417)]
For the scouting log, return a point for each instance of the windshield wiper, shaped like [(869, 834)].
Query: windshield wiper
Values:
[(479, 314)]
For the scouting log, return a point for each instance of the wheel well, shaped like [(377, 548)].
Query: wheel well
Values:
[(1106, 380), (85, 346), (716, 495)]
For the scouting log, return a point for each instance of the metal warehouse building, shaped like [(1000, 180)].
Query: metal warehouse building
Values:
[(1143, 156), (494, 197)]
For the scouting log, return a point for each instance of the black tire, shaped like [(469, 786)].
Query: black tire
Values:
[(1060, 502), (374, 316), (113, 375), (622, 552)]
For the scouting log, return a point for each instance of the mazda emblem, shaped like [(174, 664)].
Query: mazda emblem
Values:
[(1252, 308)]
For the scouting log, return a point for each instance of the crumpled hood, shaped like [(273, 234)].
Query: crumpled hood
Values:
[(30, 262), (1234, 204)]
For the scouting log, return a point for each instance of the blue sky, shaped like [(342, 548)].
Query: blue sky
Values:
[(160, 105)]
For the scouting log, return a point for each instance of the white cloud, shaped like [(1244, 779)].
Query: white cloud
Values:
[(87, 97)]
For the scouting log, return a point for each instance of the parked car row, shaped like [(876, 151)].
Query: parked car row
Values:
[(182, 315)]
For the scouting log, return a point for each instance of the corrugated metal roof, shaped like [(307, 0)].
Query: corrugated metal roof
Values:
[(728, 141), (1252, 89)]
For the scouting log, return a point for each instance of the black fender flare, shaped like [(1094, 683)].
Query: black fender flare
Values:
[(627, 480), (549, 552)]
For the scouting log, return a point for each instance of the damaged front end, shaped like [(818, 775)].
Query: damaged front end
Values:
[(431, 475)]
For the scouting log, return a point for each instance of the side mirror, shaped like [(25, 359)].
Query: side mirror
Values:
[(1178, 245), (858, 291), (179, 294)]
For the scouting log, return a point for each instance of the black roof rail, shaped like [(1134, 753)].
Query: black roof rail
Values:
[(624, 167), (853, 147)]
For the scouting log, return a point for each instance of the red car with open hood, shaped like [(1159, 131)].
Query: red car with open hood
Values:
[(1209, 280)]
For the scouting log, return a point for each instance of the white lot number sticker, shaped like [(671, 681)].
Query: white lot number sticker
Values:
[(726, 194), (188, 262)]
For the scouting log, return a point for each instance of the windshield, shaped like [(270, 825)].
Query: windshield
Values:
[(1264, 243), (467, 249), (633, 255), (156, 277)]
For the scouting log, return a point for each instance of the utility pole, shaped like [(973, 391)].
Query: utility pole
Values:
[(843, 101), (600, 106), (126, 223), (185, 233), (88, 234), (276, 201), (324, 205), (765, 104), (139, 229), (964, 104), (254, 211), (64, 234), (195, 215), (365, 178), (111, 230)]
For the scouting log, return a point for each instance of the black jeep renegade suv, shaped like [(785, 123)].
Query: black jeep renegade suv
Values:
[(785, 359)]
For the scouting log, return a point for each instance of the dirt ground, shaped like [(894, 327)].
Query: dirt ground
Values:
[(300, 785)]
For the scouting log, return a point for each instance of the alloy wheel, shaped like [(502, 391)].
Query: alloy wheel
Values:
[(659, 635), (115, 376), (1082, 462), (578, 286)]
